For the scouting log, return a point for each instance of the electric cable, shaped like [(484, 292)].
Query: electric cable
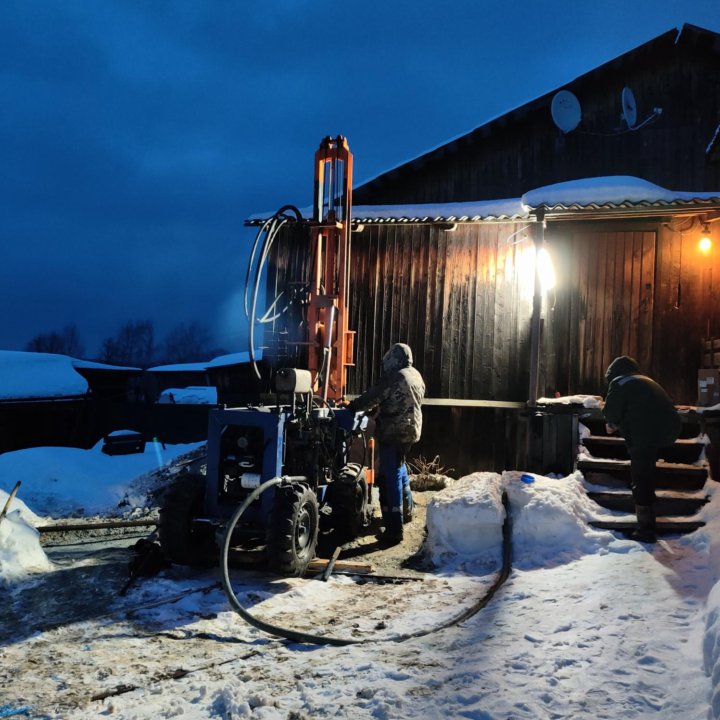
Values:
[(311, 639), (268, 231)]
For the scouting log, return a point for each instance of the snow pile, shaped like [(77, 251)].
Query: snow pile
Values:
[(588, 401), (192, 395), (20, 551), (549, 519), (706, 540), (711, 648), (464, 521), (59, 481)]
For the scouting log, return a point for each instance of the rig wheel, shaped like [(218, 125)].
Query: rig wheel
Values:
[(182, 541), (350, 502), (293, 530)]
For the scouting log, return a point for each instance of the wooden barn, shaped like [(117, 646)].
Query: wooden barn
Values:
[(614, 177)]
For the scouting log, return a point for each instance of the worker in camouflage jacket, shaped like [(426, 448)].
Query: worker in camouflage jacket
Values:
[(644, 415), (398, 424)]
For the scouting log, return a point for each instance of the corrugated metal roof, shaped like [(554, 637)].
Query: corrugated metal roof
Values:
[(485, 210), (607, 196)]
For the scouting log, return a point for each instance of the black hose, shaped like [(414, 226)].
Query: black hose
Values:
[(308, 638)]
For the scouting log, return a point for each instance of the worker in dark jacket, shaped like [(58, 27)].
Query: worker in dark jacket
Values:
[(398, 424), (642, 412)]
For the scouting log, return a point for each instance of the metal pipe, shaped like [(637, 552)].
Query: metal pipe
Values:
[(539, 239), (328, 352), (109, 525)]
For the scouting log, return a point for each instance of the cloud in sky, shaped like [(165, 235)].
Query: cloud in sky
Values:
[(136, 137)]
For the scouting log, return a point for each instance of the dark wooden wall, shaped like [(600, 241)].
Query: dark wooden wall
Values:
[(459, 299), (524, 150), (629, 288), (462, 301)]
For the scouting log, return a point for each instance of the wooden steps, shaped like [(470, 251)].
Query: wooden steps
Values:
[(614, 448), (664, 526), (669, 476), (679, 482), (595, 422), (667, 503)]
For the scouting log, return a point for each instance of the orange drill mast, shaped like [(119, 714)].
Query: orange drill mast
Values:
[(331, 343)]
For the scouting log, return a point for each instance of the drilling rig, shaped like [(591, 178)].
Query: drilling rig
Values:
[(299, 446)]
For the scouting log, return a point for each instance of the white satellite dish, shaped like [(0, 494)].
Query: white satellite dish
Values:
[(565, 111), (629, 107)]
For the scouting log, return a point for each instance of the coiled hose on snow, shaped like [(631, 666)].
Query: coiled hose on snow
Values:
[(309, 638)]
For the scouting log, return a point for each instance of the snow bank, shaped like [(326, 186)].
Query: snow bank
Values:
[(193, 395), (61, 481), (711, 639), (707, 541), (464, 521), (550, 520), (20, 551)]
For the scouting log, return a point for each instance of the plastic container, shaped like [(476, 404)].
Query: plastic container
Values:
[(527, 478)]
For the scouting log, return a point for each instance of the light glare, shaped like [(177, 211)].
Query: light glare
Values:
[(546, 270)]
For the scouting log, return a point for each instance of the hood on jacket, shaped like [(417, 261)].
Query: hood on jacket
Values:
[(397, 357), (621, 366)]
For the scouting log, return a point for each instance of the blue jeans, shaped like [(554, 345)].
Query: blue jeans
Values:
[(394, 486)]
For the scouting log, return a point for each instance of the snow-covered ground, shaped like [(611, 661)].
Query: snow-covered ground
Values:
[(588, 624)]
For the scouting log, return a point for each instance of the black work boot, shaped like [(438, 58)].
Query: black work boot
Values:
[(407, 505), (393, 534), (646, 524)]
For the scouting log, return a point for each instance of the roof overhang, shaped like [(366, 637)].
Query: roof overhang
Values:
[(585, 198)]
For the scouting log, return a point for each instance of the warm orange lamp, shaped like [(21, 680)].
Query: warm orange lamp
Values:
[(705, 244)]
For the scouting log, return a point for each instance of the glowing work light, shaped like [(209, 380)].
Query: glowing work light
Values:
[(546, 270), (705, 244)]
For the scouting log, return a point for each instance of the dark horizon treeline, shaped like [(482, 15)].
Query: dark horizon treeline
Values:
[(133, 345)]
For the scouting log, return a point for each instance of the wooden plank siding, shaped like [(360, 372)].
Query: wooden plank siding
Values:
[(603, 307), (638, 289), (462, 301), (459, 299)]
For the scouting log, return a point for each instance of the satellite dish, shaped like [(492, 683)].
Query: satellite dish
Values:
[(565, 110), (629, 107)]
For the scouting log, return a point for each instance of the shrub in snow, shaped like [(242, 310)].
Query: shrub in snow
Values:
[(428, 474)]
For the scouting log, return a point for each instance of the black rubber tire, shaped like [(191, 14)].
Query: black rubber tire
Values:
[(293, 530), (182, 542), (350, 502)]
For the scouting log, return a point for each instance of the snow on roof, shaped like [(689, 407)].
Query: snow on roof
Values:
[(30, 375), (38, 375), (233, 359), (180, 367), (90, 365), (608, 193), (611, 191)]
